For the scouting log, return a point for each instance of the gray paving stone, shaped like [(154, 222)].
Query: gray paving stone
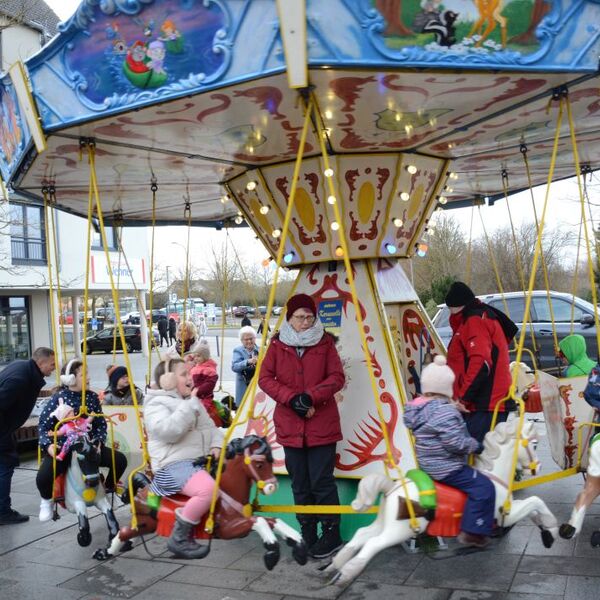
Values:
[(582, 588), (34, 589), (515, 541), (183, 591), (468, 595), (391, 566), (120, 578), (539, 583), (561, 547), (292, 579), (369, 590), (560, 565), (220, 578), (69, 553), (18, 557), (50, 575), (582, 543), (478, 571)]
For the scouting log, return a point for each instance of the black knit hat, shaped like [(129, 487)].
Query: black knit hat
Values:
[(114, 374), (459, 294)]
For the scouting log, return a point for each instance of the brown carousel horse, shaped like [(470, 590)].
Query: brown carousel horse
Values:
[(248, 461)]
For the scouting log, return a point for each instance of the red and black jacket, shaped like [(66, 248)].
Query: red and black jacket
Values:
[(478, 355)]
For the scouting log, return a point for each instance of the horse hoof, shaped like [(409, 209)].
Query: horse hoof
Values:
[(271, 556), (566, 531), (300, 553), (595, 539), (101, 554), (547, 538), (127, 546), (84, 538)]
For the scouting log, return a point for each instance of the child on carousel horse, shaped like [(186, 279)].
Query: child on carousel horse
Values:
[(443, 444), (179, 432)]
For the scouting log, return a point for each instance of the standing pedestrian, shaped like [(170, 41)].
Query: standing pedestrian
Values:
[(20, 384), (302, 372), (172, 331), (243, 362), (163, 329), (246, 322), (478, 355)]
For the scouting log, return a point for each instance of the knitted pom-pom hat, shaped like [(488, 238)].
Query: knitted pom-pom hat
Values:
[(438, 378)]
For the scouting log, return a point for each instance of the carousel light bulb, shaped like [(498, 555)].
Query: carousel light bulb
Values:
[(289, 257), (328, 114), (448, 189), (331, 199), (422, 249), (328, 172), (264, 209), (339, 252), (443, 199), (265, 262), (453, 175), (251, 185), (238, 220), (391, 248), (405, 196), (398, 222), (411, 169), (224, 199), (334, 225), (276, 233)]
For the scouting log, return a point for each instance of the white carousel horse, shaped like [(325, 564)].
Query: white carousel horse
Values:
[(525, 377), (585, 498), (388, 529), (84, 488)]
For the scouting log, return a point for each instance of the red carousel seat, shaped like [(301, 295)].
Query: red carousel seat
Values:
[(534, 400), (59, 489), (449, 511), (166, 517)]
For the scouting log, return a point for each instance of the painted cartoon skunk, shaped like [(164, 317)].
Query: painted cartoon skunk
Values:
[(443, 28)]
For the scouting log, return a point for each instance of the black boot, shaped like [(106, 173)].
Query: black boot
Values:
[(181, 543), (308, 529), (329, 542)]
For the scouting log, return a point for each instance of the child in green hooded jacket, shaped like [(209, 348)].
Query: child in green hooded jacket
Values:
[(574, 350)]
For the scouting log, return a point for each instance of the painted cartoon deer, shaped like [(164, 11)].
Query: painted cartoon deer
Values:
[(490, 14)]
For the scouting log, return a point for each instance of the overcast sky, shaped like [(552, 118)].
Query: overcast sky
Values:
[(563, 210)]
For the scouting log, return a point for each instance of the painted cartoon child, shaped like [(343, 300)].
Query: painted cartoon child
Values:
[(156, 54), (72, 430), (136, 58), (169, 31)]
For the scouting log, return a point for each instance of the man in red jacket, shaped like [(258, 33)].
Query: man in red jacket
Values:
[(302, 371), (478, 355)]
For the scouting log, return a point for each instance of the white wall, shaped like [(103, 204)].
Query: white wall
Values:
[(18, 43)]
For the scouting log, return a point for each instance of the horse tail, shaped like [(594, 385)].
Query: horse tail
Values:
[(369, 489)]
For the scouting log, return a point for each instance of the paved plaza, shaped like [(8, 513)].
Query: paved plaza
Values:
[(43, 561)]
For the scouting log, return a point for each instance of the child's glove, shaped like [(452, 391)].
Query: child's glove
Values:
[(300, 404)]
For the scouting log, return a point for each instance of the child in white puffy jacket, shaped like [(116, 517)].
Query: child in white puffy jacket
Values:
[(180, 431)]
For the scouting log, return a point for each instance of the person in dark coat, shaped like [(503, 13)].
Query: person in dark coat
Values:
[(246, 322), (20, 384), (172, 331), (478, 355), (302, 372), (163, 329)]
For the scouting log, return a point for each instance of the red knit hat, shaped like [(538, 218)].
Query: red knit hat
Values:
[(299, 301)]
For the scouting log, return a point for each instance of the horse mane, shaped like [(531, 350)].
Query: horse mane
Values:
[(498, 437), (239, 445)]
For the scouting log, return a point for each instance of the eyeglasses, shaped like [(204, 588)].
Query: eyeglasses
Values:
[(306, 318)]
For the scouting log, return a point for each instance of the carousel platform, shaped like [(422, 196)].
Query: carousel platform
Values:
[(43, 561)]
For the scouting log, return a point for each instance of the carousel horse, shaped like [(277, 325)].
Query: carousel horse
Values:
[(249, 461), (81, 486), (585, 498), (392, 525)]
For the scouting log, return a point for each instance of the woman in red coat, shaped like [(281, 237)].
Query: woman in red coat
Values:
[(302, 371)]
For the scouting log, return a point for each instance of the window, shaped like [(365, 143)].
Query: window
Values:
[(111, 238), (561, 308), (516, 308), (27, 236), (15, 339)]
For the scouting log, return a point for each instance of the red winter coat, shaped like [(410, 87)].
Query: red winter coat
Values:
[(478, 355), (205, 378), (320, 374)]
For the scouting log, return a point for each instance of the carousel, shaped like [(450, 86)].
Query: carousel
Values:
[(336, 131)]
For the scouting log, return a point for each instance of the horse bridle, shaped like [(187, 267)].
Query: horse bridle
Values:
[(249, 460), (533, 462)]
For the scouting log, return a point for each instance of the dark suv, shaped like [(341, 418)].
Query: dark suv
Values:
[(570, 312), (103, 340)]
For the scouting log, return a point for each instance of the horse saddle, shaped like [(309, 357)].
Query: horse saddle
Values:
[(59, 489), (449, 511), (166, 516)]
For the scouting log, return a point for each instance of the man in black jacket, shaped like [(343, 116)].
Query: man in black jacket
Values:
[(20, 384)]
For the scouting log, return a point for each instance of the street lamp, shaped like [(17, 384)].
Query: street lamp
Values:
[(168, 291)]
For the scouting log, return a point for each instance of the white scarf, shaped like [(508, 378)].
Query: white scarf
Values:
[(301, 339)]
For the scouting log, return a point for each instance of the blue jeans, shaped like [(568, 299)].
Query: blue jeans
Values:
[(478, 517), (480, 422), (6, 473)]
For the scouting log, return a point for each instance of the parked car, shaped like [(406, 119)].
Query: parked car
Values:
[(569, 312), (103, 340), (107, 314), (131, 318), (157, 313), (242, 311), (277, 310)]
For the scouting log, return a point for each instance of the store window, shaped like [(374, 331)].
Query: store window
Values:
[(111, 237), (27, 236), (15, 335)]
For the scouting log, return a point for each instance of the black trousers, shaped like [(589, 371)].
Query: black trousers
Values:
[(479, 422), (311, 472), (163, 336), (44, 477)]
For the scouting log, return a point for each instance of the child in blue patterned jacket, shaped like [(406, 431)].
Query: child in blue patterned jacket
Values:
[(443, 444)]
